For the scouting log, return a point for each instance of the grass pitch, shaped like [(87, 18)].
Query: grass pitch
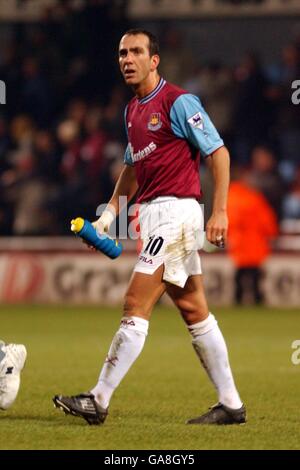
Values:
[(66, 348)]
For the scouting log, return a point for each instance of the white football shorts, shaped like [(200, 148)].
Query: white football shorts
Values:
[(172, 232)]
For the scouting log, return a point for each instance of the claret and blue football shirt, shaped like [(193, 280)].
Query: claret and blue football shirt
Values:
[(167, 131)]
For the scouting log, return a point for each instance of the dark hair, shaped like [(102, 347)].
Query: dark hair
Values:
[(153, 41)]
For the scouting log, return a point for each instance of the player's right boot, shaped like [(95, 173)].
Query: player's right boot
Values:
[(83, 405), (12, 360), (221, 414)]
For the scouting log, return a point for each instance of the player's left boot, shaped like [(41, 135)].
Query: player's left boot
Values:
[(83, 405), (221, 414), (12, 360)]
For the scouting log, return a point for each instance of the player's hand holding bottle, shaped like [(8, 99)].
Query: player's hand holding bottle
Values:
[(102, 225)]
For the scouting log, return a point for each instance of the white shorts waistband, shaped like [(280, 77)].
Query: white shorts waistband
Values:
[(167, 199)]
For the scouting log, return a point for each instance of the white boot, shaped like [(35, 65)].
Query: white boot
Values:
[(12, 360)]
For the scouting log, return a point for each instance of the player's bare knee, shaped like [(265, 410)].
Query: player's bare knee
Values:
[(194, 316), (132, 304), (185, 305), (192, 312)]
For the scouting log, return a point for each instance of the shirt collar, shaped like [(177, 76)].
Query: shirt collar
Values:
[(154, 92)]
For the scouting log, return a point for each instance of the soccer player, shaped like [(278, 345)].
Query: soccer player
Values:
[(12, 360), (167, 131)]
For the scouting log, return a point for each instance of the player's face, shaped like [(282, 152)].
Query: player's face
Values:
[(134, 59)]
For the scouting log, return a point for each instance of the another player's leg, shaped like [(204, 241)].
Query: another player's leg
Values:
[(12, 360), (143, 292), (239, 285), (257, 293), (211, 349)]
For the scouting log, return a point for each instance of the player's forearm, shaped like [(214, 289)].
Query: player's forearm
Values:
[(220, 166), (126, 186)]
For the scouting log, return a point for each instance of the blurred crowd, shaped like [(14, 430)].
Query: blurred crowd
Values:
[(62, 134)]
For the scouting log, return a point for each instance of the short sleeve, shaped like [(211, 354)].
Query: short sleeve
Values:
[(190, 121), (127, 156)]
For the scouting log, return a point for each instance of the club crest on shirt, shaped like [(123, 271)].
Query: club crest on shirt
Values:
[(196, 121), (154, 122)]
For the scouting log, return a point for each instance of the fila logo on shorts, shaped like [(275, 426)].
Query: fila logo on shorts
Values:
[(145, 260)]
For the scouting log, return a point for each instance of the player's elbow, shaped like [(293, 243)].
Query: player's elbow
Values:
[(220, 158)]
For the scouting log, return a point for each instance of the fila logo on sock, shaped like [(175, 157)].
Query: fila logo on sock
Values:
[(127, 323), (9, 370)]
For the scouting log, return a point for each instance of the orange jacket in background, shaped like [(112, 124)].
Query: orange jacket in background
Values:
[(252, 224)]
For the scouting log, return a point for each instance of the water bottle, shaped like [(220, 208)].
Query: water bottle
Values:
[(84, 229)]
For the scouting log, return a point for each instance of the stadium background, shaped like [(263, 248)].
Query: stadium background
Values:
[(61, 147)]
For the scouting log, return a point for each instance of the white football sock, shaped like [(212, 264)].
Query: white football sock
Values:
[(211, 349), (126, 346)]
